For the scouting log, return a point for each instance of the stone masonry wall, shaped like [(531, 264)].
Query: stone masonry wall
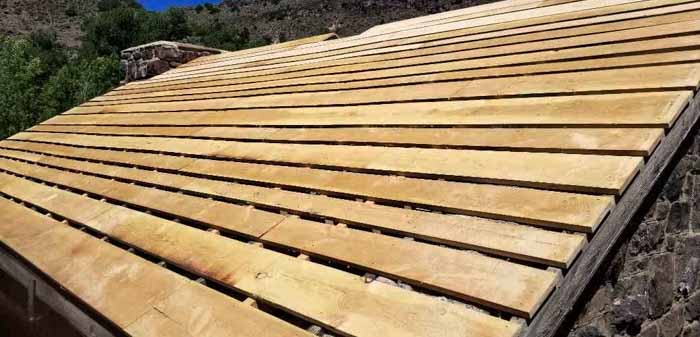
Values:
[(650, 285), (145, 61)]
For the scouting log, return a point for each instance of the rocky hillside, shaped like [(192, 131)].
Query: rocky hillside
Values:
[(21, 17), (266, 20), (291, 19)]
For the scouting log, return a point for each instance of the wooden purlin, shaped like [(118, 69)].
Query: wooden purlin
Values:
[(490, 156)]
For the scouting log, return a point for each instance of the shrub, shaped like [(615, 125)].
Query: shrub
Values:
[(107, 5), (71, 11), (112, 31), (20, 73), (211, 8), (79, 82)]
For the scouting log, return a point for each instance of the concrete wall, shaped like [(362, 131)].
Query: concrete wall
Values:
[(651, 284)]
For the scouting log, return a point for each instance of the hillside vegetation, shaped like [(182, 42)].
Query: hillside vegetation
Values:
[(40, 76)]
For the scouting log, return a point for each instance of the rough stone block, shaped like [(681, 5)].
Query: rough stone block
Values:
[(588, 331), (648, 236), (678, 217), (156, 67), (628, 315), (661, 210), (155, 58), (688, 276), (651, 330), (661, 287), (692, 307), (671, 324), (673, 186), (692, 330)]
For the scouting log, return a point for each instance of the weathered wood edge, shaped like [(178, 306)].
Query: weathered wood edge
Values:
[(560, 303), (62, 304)]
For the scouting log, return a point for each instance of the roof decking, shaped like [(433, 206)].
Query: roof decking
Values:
[(487, 156)]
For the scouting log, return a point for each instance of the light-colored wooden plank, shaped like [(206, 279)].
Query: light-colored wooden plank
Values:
[(575, 211), (113, 282), (521, 289), (521, 297), (275, 47), (522, 43), (657, 109), (570, 172), (303, 43), (468, 13), (630, 141), (243, 220), (656, 16), (202, 312), (442, 15), (677, 77), (104, 277), (539, 12), (605, 55), (495, 237), (392, 78), (276, 278)]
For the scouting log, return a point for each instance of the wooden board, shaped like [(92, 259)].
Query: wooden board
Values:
[(570, 172), (619, 141), (545, 208), (360, 40), (271, 276), (463, 69), (262, 50), (658, 109), (495, 237), (110, 281), (410, 49), (473, 283), (480, 162), (670, 77), (611, 32)]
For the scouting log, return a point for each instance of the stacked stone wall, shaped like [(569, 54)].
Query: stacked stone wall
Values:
[(650, 285), (146, 61)]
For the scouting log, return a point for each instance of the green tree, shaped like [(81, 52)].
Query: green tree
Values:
[(52, 54), (20, 73), (107, 5), (211, 8), (112, 31), (170, 25), (77, 83)]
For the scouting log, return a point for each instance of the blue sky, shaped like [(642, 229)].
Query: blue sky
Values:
[(159, 5)]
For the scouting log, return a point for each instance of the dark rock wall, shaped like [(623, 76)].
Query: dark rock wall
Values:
[(650, 285)]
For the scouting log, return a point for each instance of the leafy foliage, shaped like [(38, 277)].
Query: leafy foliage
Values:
[(40, 78), (76, 83), (20, 73)]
